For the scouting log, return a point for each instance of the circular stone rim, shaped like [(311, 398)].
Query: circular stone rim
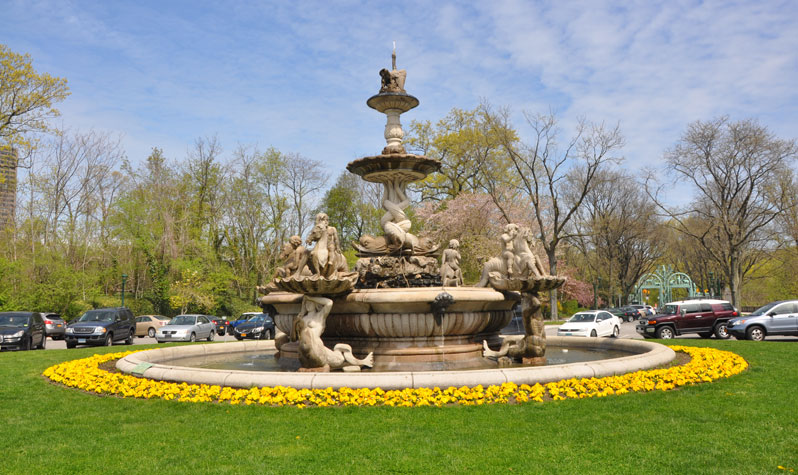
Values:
[(649, 355), (394, 162), (403, 99)]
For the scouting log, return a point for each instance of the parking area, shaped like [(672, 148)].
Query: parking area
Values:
[(61, 344), (627, 331)]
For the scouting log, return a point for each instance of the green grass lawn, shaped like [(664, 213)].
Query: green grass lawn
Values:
[(745, 424)]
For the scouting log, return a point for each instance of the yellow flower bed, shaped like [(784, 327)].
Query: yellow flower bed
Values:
[(707, 364)]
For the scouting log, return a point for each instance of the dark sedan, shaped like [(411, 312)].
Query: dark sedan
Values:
[(259, 327), (221, 324), (22, 330)]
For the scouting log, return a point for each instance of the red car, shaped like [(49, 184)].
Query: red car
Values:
[(705, 317)]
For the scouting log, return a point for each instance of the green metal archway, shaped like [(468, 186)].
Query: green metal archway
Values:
[(664, 280)]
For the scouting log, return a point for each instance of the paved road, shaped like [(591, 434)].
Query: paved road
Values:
[(627, 331), (61, 344)]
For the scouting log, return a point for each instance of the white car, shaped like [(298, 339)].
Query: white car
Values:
[(187, 328), (591, 323)]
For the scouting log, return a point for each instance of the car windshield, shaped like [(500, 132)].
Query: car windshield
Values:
[(582, 317), (763, 310), (97, 316), (183, 320), (670, 309), (257, 319), (161, 317), (19, 321)]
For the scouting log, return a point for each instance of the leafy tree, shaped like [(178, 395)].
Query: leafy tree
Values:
[(350, 210), (27, 100), (470, 150)]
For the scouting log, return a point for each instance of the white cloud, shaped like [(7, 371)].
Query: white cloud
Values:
[(296, 75)]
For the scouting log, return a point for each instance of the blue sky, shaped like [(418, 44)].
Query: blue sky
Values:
[(295, 75)]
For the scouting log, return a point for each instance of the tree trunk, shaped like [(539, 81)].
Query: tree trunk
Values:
[(553, 292), (734, 280)]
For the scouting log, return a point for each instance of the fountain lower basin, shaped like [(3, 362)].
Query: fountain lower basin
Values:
[(157, 364), (400, 328)]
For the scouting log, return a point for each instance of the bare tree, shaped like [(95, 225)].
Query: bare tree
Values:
[(734, 169), (206, 174), (304, 179), (555, 180), (617, 231)]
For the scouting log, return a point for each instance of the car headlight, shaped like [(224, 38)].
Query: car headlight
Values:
[(18, 334), (738, 322), (257, 330), (100, 330), (180, 332), (70, 330)]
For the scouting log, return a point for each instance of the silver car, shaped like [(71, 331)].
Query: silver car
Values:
[(55, 326), (776, 318), (187, 328)]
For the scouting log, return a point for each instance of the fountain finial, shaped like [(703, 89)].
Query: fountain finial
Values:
[(393, 56)]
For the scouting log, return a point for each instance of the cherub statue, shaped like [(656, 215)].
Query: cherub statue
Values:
[(450, 265), (508, 250), (293, 255), (326, 258)]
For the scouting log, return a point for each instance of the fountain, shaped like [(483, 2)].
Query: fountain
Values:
[(399, 319)]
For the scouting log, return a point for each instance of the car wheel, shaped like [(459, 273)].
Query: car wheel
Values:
[(27, 343), (151, 332), (630, 319), (43, 343), (71, 345), (211, 334), (270, 334), (755, 333), (665, 333), (193, 337), (593, 334), (109, 339), (129, 339), (722, 331), (616, 331)]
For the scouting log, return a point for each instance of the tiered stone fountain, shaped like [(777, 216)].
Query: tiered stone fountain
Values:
[(399, 319), (395, 312)]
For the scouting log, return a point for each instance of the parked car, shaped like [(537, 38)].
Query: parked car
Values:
[(102, 327), (54, 325), (221, 324), (705, 317), (243, 318), (776, 318), (147, 325), (630, 314), (591, 323), (187, 328), (22, 331), (258, 327)]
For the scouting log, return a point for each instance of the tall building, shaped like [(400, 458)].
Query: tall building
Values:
[(8, 186)]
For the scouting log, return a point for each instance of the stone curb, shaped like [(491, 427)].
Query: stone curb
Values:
[(647, 355)]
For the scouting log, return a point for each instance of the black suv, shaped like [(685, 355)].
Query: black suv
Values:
[(705, 317), (102, 327)]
